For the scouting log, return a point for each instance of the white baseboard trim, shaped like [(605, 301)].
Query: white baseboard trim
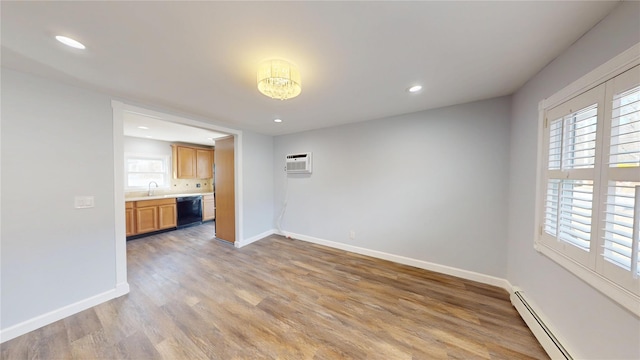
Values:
[(540, 327), (448, 270), (121, 289), (61, 313), (253, 239)]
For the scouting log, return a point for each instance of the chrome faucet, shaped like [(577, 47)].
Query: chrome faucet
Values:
[(151, 191)]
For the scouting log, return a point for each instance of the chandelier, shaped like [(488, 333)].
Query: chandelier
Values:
[(279, 79)]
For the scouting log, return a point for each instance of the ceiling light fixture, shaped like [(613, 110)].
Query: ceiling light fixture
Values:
[(70, 42), (143, 127), (415, 88), (277, 120), (279, 79)]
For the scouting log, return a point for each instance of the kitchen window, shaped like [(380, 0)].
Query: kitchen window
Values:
[(142, 169), (588, 217)]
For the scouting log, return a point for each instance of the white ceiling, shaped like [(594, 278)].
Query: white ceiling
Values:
[(356, 58), (142, 126)]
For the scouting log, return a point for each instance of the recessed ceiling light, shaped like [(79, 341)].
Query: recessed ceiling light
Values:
[(149, 136), (415, 88), (277, 120), (70, 42), (143, 127)]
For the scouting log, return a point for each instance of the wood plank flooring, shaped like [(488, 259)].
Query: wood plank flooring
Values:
[(193, 297)]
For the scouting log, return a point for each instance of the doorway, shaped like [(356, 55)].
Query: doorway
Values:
[(119, 110)]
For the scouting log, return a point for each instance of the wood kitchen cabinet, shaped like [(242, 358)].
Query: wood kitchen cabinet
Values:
[(167, 215), (204, 164), (146, 219), (131, 220), (208, 207), (151, 215), (192, 162), (185, 162)]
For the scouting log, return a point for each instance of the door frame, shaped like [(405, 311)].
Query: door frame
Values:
[(119, 108)]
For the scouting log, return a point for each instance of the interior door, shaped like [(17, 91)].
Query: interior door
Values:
[(225, 189)]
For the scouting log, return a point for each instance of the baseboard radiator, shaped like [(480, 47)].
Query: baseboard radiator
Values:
[(545, 336)]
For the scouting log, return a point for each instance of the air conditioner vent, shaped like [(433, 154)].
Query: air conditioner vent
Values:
[(299, 163)]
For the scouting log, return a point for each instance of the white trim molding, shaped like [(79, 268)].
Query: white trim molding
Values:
[(118, 195), (61, 313), (245, 242), (239, 186), (443, 269)]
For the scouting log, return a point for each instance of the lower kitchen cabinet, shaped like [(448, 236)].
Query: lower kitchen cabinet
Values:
[(167, 216), (151, 215), (146, 219), (131, 220), (208, 207)]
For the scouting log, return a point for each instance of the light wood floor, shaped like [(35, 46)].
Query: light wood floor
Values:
[(193, 297)]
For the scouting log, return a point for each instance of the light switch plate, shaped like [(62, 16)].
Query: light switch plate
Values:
[(84, 202)]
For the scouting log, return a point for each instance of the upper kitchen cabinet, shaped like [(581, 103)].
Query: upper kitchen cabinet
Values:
[(184, 161), (204, 164), (192, 162)]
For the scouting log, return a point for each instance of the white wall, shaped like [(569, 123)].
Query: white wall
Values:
[(592, 325), (258, 171), (430, 186), (56, 144)]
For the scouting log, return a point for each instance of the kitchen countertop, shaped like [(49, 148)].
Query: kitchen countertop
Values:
[(165, 196)]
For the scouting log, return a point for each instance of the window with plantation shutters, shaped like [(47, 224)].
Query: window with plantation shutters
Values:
[(621, 182), (569, 202), (571, 137), (589, 193), (619, 226), (624, 153), (624, 149)]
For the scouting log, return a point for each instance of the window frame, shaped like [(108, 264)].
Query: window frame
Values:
[(166, 174), (592, 267)]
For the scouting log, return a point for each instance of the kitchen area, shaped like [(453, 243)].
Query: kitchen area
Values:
[(169, 176)]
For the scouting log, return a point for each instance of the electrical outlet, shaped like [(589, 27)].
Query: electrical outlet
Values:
[(352, 234)]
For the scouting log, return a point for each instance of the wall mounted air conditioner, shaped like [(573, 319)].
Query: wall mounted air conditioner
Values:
[(299, 163)]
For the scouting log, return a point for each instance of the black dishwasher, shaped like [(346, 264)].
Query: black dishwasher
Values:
[(189, 211)]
